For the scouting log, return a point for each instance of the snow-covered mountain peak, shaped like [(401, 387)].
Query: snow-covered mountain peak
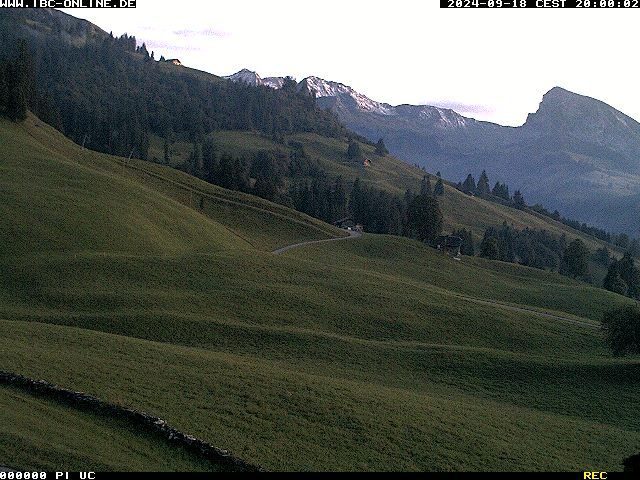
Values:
[(338, 95), (324, 88), (273, 82), (252, 78), (245, 76)]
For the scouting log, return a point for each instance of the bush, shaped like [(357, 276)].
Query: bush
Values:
[(622, 330)]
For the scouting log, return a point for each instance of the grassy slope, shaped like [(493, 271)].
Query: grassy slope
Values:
[(347, 355), (392, 174), (62, 174), (43, 435)]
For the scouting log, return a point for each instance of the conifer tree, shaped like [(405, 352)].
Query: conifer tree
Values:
[(469, 185), (575, 262), (425, 218), (167, 152), (425, 186), (518, 200), (340, 198), (17, 82), (489, 248), (4, 92), (208, 159), (614, 282), (381, 148), (483, 184), (195, 160), (353, 151), (356, 201), (467, 247), (439, 188), (622, 331)]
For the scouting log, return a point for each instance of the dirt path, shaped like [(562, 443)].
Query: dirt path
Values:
[(530, 311), (352, 235), (490, 303)]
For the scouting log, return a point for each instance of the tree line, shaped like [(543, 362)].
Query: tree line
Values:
[(536, 248), (290, 177), (16, 78), (500, 194)]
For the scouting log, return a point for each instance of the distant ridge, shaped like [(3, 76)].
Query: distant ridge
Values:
[(575, 153)]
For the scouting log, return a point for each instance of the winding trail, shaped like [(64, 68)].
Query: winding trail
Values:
[(530, 311), (480, 301), (352, 235)]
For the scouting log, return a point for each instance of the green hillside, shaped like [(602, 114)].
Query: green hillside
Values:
[(387, 173), (373, 353), (42, 434)]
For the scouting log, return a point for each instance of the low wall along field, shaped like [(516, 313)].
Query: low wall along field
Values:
[(154, 425)]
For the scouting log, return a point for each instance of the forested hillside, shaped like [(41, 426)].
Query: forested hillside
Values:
[(111, 95), (147, 287)]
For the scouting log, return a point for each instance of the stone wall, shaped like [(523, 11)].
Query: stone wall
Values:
[(155, 425)]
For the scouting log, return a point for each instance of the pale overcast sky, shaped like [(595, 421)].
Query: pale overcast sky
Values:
[(492, 65)]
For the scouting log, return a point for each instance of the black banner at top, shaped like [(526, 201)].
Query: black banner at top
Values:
[(516, 4), (67, 3)]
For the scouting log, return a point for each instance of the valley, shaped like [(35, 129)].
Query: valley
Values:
[(170, 244), (292, 361)]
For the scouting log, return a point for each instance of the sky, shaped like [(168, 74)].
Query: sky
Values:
[(492, 65)]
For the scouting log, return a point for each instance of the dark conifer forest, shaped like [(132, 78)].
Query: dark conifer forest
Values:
[(109, 94)]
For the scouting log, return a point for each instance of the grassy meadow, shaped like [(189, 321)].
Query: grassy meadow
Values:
[(39, 433), (140, 285)]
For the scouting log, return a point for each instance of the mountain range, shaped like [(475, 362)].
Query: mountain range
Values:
[(575, 154)]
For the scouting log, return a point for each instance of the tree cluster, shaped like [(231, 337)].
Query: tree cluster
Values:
[(622, 330), (623, 277), (500, 193), (468, 244), (534, 248), (576, 225), (294, 180), (415, 216), (381, 148), (426, 189)]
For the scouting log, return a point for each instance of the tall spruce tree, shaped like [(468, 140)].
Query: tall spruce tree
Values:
[(340, 199), (425, 186), (483, 184), (17, 83), (4, 92), (353, 150), (167, 152), (467, 248), (208, 159), (425, 218), (614, 282), (469, 185), (489, 248), (381, 148), (628, 271), (438, 190), (518, 200), (622, 330)]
